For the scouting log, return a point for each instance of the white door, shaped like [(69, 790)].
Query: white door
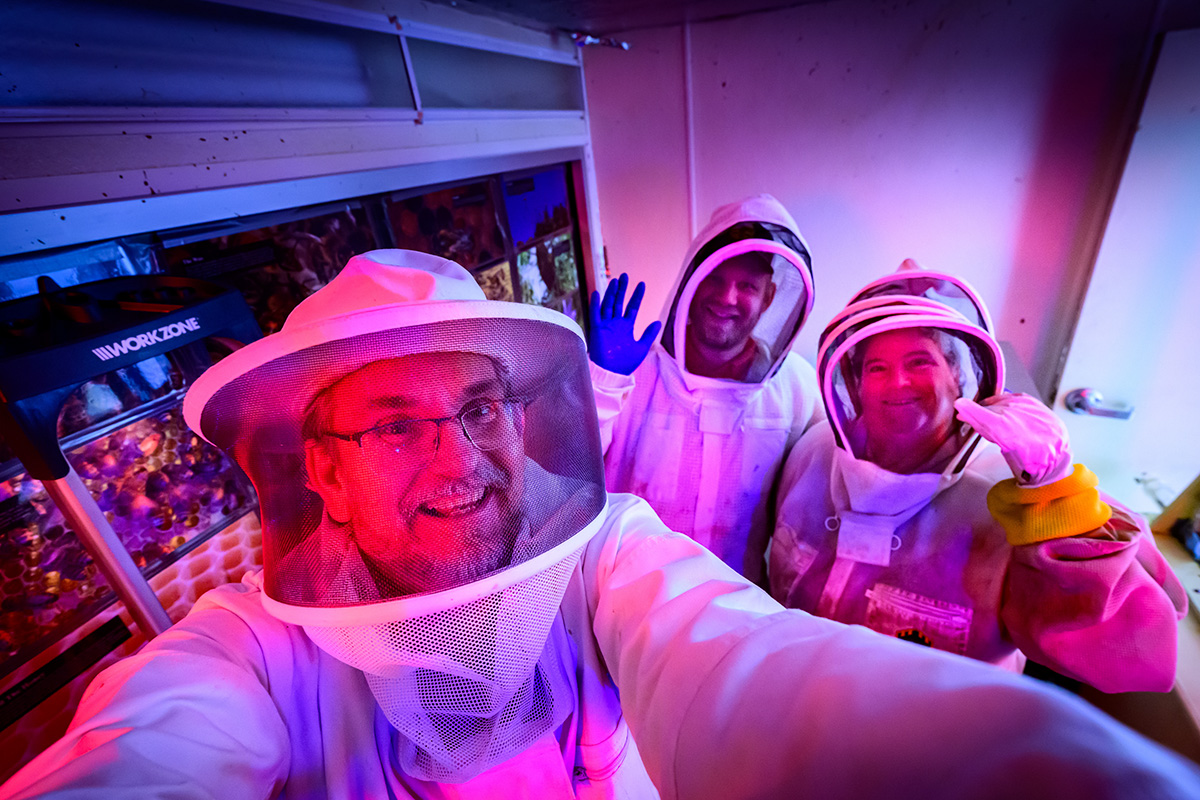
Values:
[(1138, 339)]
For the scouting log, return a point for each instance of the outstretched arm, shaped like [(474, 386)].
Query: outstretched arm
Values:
[(1087, 592), (729, 696), (187, 717)]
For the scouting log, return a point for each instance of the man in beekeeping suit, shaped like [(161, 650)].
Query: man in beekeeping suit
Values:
[(452, 606), (700, 423)]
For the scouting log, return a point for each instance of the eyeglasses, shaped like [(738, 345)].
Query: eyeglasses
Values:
[(488, 425)]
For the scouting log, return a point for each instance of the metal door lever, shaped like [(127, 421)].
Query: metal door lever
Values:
[(1090, 401)]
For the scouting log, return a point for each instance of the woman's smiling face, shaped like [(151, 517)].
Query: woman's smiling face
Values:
[(907, 389)]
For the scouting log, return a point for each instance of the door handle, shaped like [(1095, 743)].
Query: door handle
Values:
[(1090, 401)]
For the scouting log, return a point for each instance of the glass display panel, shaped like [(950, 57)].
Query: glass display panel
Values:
[(118, 392), (450, 76), (459, 223), (193, 54), (162, 488), (50, 585), (72, 267), (277, 266)]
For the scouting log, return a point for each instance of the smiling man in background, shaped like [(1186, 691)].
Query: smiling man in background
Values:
[(700, 423)]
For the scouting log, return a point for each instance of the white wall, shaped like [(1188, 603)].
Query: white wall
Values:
[(982, 138)]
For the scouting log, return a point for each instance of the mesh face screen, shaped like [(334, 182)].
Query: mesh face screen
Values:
[(491, 642), (903, 378), (781, 320), (415, 459), (469, 686), (724, 305), (448, 747)]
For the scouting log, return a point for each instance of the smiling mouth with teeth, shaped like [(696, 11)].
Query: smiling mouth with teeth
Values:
[(456, 505)]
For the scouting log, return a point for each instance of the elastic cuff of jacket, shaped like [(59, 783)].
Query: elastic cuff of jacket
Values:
[(1064, 508), (607, 378)]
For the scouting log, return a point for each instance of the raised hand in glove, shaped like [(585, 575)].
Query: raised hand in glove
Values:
[(1031, 437), (610, 339)]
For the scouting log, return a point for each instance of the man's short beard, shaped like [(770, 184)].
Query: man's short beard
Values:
[(736, 338), (496, 543), (486, 476)]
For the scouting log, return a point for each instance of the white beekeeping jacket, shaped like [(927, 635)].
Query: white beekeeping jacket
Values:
[(727, 695)]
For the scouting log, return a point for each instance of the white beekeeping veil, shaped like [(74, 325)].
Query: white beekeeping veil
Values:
[(940, 306), (757, 230), (429, 470), (890, 365)]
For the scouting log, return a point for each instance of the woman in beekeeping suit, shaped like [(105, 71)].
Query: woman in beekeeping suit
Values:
[(935, 507)]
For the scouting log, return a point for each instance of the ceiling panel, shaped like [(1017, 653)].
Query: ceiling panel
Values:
[(607, 17)]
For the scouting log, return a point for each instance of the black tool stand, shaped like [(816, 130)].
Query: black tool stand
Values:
[(53, 342)]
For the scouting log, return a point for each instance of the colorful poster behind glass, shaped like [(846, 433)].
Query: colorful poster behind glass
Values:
[(539, 215), (496, 281), (537, 206)]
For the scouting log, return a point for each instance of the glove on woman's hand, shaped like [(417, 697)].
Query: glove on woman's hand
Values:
[(1031, 437)]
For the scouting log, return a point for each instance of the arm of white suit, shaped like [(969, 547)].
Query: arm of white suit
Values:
[(811, 393), (809, 410), (782, 560), (189, 716), (611, 390), (728, 695), (1087, 592), (818, 416)]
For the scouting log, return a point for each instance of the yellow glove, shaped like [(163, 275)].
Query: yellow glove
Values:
[(1067, 507)]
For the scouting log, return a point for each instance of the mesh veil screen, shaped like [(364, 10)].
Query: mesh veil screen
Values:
[(470, 686), (447, 642), (781, 321), (969, 361), (414, 459)]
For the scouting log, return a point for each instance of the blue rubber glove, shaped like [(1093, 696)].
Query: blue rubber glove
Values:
[(610, 335)]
